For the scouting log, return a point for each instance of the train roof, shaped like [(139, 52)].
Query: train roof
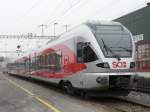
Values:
[(89, 24), (102, 23)]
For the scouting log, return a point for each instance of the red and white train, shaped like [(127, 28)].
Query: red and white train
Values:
[(92, 56)]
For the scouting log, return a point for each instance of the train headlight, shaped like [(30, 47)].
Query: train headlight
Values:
[(103, 65), (101, 80)]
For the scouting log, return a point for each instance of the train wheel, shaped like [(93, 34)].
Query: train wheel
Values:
[(84, 95), (69, 89)]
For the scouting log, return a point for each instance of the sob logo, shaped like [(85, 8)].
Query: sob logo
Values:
[(119, 64)]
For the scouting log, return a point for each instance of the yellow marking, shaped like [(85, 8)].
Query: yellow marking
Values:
[(33, 110), (47, 104), (19, 86)]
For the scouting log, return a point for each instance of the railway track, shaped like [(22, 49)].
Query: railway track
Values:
[(143, 89), (118, 105), (134, 102), (143, 85), (123, 106)]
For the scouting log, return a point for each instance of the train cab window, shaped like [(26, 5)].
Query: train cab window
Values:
[(85, 53)]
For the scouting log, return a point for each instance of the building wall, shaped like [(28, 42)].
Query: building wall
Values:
[(143, 56), (138, 22)]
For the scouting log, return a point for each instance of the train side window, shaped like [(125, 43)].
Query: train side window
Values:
[(45, 59), (55, 59), (85, 53), (38, 62), (41, 60)]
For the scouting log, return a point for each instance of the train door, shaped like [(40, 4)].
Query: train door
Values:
[(86, 55), (80, 59), (80, 52)]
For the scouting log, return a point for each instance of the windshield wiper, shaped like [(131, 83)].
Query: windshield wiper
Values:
[(126, 49), (105, 46), (108, 49)]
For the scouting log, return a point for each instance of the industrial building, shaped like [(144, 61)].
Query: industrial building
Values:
[(138, 23)]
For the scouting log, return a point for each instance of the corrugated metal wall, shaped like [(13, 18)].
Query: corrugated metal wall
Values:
[(138, 22)]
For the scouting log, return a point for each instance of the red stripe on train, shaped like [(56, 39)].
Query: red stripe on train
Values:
[(69, 66)]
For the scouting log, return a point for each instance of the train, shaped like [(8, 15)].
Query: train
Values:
[(93, 56)]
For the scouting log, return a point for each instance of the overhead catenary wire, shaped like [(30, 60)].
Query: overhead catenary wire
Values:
[(65, 12), (55, 17), (56, 8), (75, 6), (68, 10), (72, 6), (30, 10)]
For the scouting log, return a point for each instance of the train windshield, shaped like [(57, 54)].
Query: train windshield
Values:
[(114, 41)]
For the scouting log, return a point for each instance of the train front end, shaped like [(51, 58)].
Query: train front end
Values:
[(113, 57)]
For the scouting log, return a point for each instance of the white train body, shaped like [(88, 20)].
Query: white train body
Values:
[(93, 55)]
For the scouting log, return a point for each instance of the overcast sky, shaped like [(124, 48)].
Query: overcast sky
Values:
[(24, 16)]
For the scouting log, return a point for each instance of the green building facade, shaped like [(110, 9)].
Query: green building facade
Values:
[(138, 22)]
